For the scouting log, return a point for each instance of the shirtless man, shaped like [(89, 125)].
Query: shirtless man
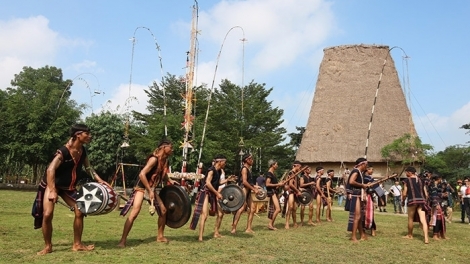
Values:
[(307, 182), (319, 195), (208, 197), (248, 182), (153, 174), (60, 179), (294, 191), (357, 199)]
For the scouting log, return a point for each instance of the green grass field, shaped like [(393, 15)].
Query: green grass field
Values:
[(326, 243)]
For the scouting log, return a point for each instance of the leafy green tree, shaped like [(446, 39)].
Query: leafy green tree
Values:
[(467, 127), (36, 116), (148, 129), (104, 150), (296, 138), (258, 123), (453, 163), (408, 150)]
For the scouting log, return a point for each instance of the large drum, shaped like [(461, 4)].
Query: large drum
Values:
[(95, 199)]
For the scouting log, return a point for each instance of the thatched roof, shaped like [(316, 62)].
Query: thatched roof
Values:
[(339, 119)]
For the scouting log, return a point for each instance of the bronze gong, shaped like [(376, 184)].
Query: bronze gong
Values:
[(304, 198), (177, 204), (233, 198)]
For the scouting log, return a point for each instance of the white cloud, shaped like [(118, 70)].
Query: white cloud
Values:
[(31, 42), (444, 131), (123, 99), (277, 33), (25, 42), (84, 66)]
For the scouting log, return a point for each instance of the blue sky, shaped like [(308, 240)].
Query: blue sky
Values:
[(91, 42)]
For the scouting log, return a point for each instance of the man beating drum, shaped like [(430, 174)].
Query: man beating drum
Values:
[(60, 179), (153, 174)]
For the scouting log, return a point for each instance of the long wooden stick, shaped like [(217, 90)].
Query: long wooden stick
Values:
[(294, 175)]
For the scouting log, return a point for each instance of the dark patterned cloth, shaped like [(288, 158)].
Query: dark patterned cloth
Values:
[(438, 222), (271, 208), (38, 206), (435, 193), (130, 203), (352, 209), (199, 205)]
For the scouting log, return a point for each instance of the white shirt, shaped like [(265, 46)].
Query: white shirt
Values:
[(222, 177), (396, 190), (463, 188)]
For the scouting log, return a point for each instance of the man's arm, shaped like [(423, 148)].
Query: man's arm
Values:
[(50, 176), (245, 182), (292, 184), (145, 170)]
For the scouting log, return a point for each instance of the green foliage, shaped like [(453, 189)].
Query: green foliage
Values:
[(107, 133), (467, 127), (148, 129), (33, 124), (453, 163), (408, 149), (296, 138), (258, 125)]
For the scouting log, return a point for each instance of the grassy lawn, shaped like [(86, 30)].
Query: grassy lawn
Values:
[(325, 243)]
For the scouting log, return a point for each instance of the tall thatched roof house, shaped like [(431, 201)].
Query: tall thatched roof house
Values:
[(338, 124)]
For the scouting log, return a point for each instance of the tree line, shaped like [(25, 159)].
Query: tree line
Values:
[(36, 112)]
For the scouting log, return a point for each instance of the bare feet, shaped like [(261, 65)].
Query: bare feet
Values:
[(296, 225), (218, 235), (408, 237), (272, 228), (162, 239), (249, 231), (312, 223), (426, 241), (45, 251), (435, 238), (122, 244), (329, 220), (363, 238), (373, 233), (82, 247), (354, 240), (286, 227)]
